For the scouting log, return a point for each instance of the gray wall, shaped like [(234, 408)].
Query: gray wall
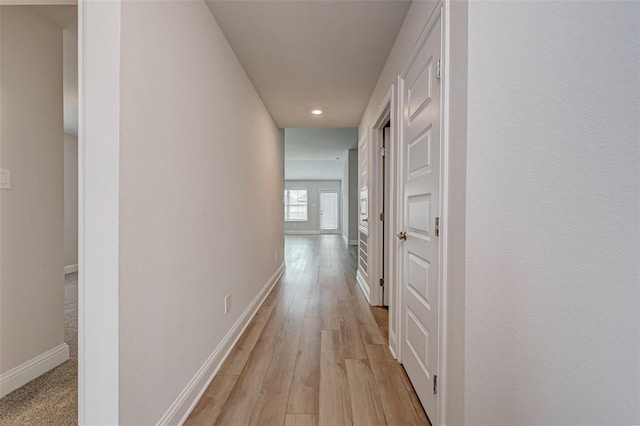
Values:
[(31, 213), (201, 184), (314, 187), (344, 187), (354, 195)]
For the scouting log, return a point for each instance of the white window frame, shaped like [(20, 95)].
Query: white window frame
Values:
[(287, 205)]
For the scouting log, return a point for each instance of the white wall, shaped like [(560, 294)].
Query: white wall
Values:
[(312, 225), (201, 184), (31, 212), (553, 220)]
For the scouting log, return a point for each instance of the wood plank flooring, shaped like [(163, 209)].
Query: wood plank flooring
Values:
[(315, 353)]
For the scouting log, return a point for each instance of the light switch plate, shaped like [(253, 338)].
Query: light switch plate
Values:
[(5, 179)]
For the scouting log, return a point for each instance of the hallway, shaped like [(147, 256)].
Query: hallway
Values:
[(313, 354)]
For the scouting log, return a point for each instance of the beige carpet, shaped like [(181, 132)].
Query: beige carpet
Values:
[(51, 399)]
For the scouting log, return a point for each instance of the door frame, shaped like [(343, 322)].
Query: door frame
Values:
[(98, 210), (387, 112), (98, 205), (339, 228), (440, 11)]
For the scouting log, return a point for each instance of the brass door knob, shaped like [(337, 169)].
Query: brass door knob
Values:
[(402, 236)]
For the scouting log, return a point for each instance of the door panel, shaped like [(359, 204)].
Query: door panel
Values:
[(329, 210), (418, 278), (421, 204)]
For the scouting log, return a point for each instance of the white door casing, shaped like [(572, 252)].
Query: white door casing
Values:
[(420, 144), (386, 216)]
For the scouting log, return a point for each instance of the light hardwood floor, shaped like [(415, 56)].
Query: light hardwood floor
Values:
[(315, 354)]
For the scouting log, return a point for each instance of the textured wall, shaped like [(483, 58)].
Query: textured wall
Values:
[(553, 219)]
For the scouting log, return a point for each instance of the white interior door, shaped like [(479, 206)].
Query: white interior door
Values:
[(421, 203), (329, 211)]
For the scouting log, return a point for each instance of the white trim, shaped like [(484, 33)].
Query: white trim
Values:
[(393, 343), (385, 113), (70, 269), (399, 187), (363, 144), (345, 239), (187, 399), (444, 206), (363, 285), (437, 13), (99, 24), (300, 232), (32, 369)]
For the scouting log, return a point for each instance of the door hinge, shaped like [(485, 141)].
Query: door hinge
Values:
[(381, 282), (383, 151), (437, 226), (435, 384), (438, 72), (382, 217)]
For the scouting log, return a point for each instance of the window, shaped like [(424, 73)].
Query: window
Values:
[(295, 205)]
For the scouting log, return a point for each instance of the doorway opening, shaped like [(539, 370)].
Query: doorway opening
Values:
[(385, 236), (39, 196)]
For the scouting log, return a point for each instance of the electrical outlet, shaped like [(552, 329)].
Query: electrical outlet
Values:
[(227, 303)]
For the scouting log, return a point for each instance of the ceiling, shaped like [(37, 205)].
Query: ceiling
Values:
[(306, 54), (317, 154)]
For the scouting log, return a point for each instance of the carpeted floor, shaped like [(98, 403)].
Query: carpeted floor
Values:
[(51, 399)]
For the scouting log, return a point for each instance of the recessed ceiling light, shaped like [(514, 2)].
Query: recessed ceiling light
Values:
[(316, 112)]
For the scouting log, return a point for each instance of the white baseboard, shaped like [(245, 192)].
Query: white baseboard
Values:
[(349, 242), (393, 344), (363, 286), (70, 269), (296, 232), (32, 369), (187, 399)]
